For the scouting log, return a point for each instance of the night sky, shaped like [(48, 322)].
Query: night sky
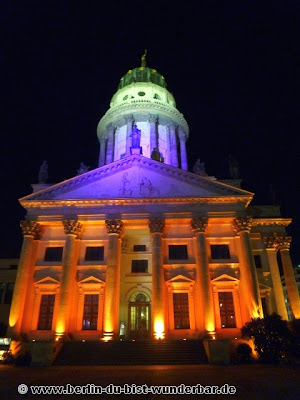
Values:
[(233, 67)]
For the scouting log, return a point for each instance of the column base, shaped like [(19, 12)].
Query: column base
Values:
[(107, 336)]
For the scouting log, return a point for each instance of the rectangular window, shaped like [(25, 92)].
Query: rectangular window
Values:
[(139, 247), (219, 251), (227, 313), (46, 312), (139, 266), (53, 254), (257, 261), (8, 293), (95, 253), (90, 313), (181, 311), (178, 252)]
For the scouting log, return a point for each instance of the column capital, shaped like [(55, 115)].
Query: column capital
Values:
[(242, 224), (156, 224), (181, 135), (270, 241), (31, 228), (110, 128), (171, 125), (129, 118), (72, 227), (153, 118), (283, 242), (199, 224), (114, 226)]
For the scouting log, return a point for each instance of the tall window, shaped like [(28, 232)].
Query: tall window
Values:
[(90, 312), (257, 261), (178, 252), (139, 266), (95, 253), (227, 313), (53, 254), (219, 251), (46, 312), (181, 311)]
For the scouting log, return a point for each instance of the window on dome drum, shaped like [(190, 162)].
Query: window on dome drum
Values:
[(178, 252), (46, 312), (8, 293), (181, 311), (94, 253), (227, 313), (138, 266), (257, 261), (219, 251), (139, 247), (90, 312), (53, 254), (141, 93)]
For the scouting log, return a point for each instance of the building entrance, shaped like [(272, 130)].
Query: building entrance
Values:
[(139, 311)]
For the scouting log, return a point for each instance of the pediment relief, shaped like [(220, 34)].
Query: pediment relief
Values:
[(136, 177)]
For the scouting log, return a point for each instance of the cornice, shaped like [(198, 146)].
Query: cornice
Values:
[(271, 221), (133, 201)]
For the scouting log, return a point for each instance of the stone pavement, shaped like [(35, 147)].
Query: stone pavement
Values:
[(251, 381)]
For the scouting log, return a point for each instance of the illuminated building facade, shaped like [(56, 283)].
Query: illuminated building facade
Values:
[(140, 247)]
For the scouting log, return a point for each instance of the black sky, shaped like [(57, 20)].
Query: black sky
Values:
[(233, 67)]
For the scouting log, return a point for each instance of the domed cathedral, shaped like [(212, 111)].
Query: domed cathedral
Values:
[(142, 248), (143, 119)]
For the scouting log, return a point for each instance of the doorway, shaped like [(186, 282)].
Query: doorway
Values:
[(139, 312)]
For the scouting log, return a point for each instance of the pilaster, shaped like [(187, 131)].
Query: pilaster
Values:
[(110, 144), (129, 121), (173, 145), (183, 156)]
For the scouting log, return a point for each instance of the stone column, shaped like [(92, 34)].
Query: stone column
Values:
[(153, 133), (129, 121), (249, 280), (31, 230), (182, 139), (110, 144), (72, 230), (112, 289), (156, 226), (102, 151), (203, 295), (283, 245), (173, 145), (271, 249)]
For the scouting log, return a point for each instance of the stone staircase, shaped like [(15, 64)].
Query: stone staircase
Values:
[(165, 352)]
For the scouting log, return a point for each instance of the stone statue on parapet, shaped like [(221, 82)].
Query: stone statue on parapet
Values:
[(234, 167), (43, 173), (82, 169), (199, 168), (136, 137)]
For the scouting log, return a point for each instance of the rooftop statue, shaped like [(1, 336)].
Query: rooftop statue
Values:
[(234, 167), (82, 169), (43, 173), (199, 168)]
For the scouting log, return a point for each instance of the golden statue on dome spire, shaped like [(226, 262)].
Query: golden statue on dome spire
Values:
[(143, 59)]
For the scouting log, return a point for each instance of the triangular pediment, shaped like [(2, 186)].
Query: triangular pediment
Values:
[(47, 280), (91, 279), (180, 279), (136, 177), (225, 277)]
